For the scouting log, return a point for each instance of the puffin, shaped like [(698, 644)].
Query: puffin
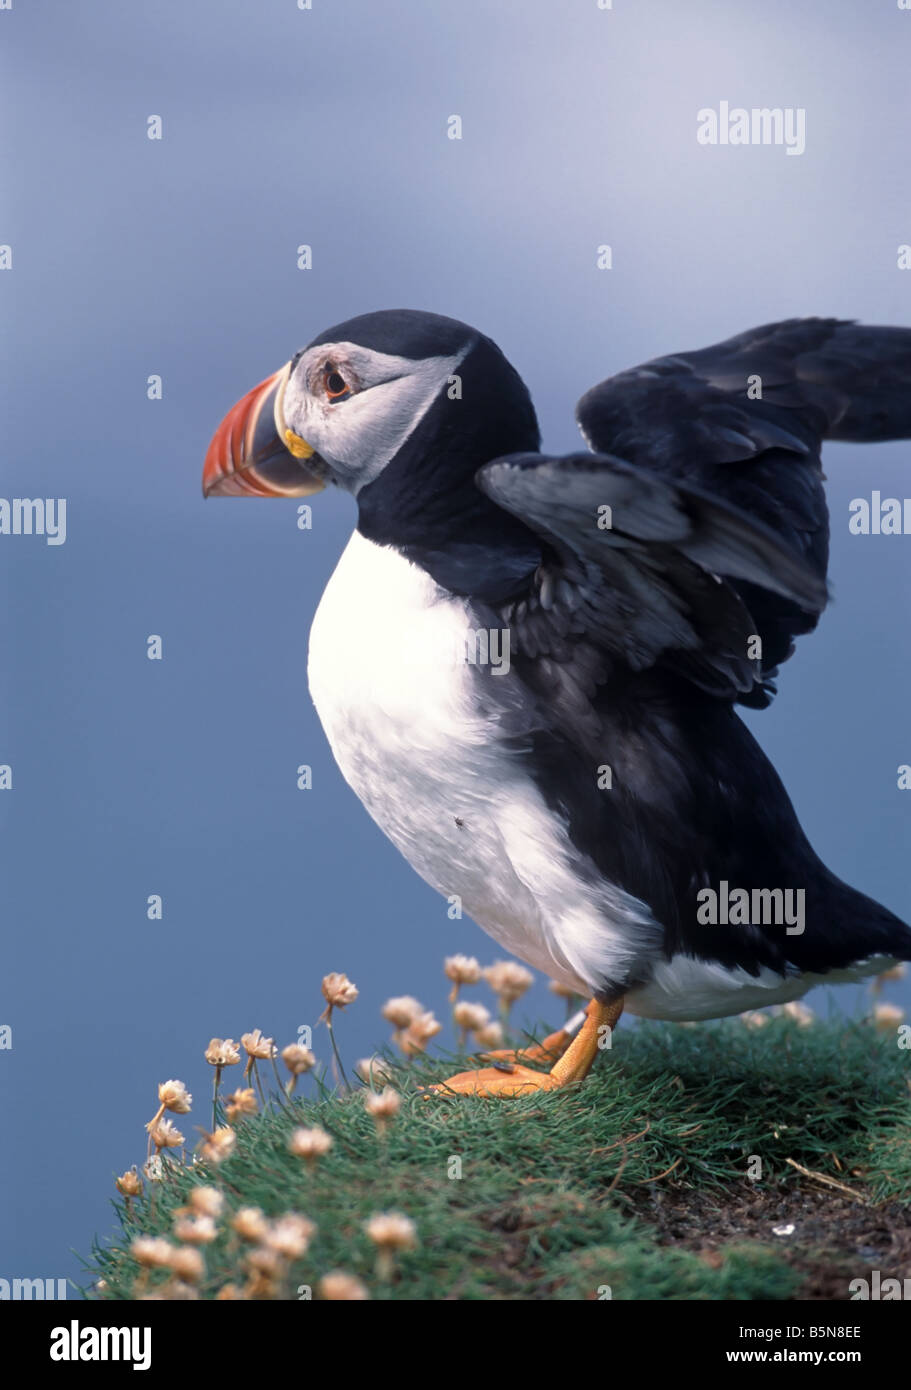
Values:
[(529, 667)]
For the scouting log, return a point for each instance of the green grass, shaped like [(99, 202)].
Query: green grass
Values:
[(557, 1194)]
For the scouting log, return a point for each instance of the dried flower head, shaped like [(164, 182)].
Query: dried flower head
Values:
[(393, 1229), (418, 1033), (338, 990), (250, 1224), (753, 1018), (798, 1012), (166, 1135), (130, 1183), (894, 973), (508, 979), (207, 1201), (290, 1236), (255, 1045), (241, 1103), (175, 1290), (386, 1105), (887, 1017), (222, 1052), (152, 1251), (376, 1071), (188, 1264), (298, 1059), (401, 1010), (228, 1292), (310, 1143), (336, 1286), (219, 1145), (195, 1230), (462, 970), (490, 1036), (390, 1232), (469, 1017), (264, 1261), (174, 1095)]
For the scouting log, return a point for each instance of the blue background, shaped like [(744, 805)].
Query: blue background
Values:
[(178, 257)]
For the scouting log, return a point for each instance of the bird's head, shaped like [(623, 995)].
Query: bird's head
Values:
[(397, 399)]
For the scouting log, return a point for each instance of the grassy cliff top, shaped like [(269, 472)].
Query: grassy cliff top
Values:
[(714, 1161)]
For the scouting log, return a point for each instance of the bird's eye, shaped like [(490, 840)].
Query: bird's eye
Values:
[(334, 384)]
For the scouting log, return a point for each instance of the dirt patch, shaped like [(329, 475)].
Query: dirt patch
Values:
[(833, 1240)]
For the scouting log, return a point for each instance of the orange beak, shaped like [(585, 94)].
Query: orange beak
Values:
[(253, 453)]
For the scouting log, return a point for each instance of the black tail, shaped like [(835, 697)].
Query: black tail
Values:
[(854, 928)]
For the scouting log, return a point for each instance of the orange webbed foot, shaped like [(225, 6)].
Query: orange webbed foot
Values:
[(504, 1080), (513, 1079)]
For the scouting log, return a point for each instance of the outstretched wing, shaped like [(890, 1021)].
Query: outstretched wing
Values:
[(633, 565), (745, 420)]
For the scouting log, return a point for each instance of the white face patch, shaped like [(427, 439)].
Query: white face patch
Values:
[(357, 435)]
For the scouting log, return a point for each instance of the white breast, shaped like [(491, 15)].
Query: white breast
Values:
[(397, 700)]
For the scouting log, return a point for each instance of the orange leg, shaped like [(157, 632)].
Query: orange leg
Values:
[(515, 1080), (553, 1046)]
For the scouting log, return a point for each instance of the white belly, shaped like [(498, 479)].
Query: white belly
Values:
[(399, 712)]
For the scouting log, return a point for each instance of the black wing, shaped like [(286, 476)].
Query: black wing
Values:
[(632, 570), (745, 420)]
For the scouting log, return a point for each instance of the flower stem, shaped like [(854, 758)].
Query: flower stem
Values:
[(281, 1094), (335, 1052), (215, 1086)]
